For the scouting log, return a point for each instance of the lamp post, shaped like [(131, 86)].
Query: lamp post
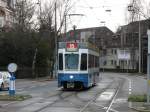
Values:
[(139, 45), (148, 68), (103, 22), (133, 9), (148, 55), (56, 47)]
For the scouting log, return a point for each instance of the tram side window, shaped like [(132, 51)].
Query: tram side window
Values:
[(60, 61), (91, 61), (96, 61), (83, 62)]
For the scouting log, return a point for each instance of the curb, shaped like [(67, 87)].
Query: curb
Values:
[(139, 110), (43, 80)]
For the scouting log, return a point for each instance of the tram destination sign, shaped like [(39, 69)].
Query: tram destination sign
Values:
[(71, 47)]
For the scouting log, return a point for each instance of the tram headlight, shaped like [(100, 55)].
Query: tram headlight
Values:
[(71, 76)]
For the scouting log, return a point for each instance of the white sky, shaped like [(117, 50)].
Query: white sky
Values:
[(94, 11)]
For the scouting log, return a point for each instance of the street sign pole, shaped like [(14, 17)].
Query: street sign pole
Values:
[(12, 85), (12, 67), (148, 68)]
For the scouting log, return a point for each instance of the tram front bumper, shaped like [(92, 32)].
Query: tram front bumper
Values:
[(62, 78)]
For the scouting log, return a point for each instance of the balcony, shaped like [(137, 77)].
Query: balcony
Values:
[(3, 3)]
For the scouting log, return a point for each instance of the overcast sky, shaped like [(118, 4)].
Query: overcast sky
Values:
[(95, 12)]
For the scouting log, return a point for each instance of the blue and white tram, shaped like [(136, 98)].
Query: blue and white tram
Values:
[(78, 65)]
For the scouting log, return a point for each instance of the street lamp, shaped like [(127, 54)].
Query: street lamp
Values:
[(103, 22), (130, 8), (133, 9), (108, 10)]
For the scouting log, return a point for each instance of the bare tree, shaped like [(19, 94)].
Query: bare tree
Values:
[(47, 13), (23, 14), (47, 23)]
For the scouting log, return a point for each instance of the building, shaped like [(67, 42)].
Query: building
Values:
[(123, 51), (99, 35), (118, 51), (6, 13)]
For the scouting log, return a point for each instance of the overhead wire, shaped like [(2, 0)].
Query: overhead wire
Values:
[(91, 8)]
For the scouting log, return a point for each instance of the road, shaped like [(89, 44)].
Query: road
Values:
[(110, 95)]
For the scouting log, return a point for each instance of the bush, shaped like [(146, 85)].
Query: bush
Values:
[(137, 98)]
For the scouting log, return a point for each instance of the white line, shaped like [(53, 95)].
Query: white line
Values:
[(8, 103), (107, 95), (32, 87), (112, 100), (86, 106), (106, 108), (60, 88), (130, 86)]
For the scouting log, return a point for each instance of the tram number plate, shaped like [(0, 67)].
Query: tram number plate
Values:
[(70, 85), (72, 46)]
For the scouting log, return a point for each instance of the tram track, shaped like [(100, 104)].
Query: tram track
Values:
[(82, 101), (105, 108), (60, 98), (63, 96)]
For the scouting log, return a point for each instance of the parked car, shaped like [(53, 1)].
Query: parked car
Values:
[(4, 80)]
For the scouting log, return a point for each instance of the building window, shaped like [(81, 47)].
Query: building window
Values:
[(112, 51), (115, 51), (105, 63), (1, 21), (112, 62), (115, 63)]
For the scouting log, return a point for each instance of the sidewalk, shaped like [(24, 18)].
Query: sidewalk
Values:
[(139, 106), (41, 79)]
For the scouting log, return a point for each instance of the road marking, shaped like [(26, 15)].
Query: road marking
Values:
[(114, 97), (103, 107), (32, 87), (107, 95), (130, 86), (58, 89), (8, 103), (20, 89), (121, 100)]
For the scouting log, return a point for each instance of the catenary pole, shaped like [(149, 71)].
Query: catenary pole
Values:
[(139, 45), (148, 68), (55, 39)]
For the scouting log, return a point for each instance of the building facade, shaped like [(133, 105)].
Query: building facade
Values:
[(118, 51), (125, 43), (6, 13), (98, 35)]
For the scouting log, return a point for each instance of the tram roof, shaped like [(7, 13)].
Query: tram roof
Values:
[(81, 45)]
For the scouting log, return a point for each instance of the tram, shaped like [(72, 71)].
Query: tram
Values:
[(78, 65)]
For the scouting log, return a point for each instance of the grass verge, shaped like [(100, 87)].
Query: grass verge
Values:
[(137, 98), (14, 98)]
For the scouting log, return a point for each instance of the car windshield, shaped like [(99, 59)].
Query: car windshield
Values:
[(71, 61)]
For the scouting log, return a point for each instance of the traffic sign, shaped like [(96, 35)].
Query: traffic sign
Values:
[(12, 67)]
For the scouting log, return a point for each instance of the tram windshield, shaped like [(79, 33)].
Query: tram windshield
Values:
[(71, 61)]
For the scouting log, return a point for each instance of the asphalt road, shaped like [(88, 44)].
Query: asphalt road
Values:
[(110, 95)]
